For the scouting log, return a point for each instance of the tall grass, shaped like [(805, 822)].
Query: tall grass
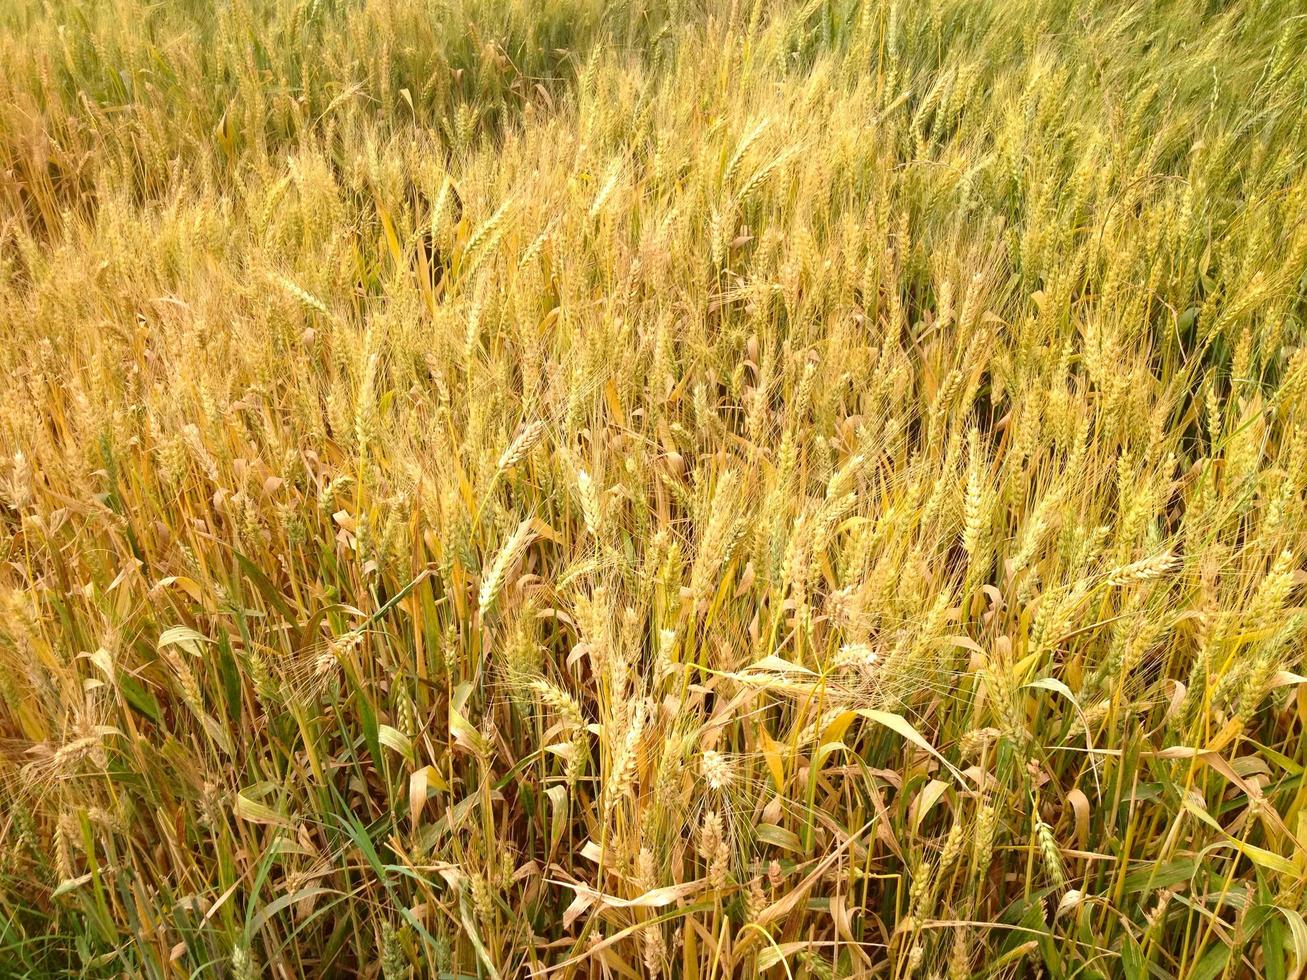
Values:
[(653, 489)]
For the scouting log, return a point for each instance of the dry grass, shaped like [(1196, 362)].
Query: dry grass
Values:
[(643, 490)]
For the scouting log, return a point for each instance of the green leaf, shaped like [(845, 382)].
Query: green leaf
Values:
[(1132, 959), (396, 741), (1258, 855), (270, 911), (183, 637), (1298, 930), (899, 724), (249, 808), (786, 840), (70, 885), (138, 697), (1053, 684), (1273, 959), (1160, 875), (265, 587), (231, 678), (371, 730), (1212, 963), (559, 805)]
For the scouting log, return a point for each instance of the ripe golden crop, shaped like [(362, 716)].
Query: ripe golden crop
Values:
[(788, 489)]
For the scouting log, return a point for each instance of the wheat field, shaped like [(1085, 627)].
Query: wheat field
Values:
[(653, 489)]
